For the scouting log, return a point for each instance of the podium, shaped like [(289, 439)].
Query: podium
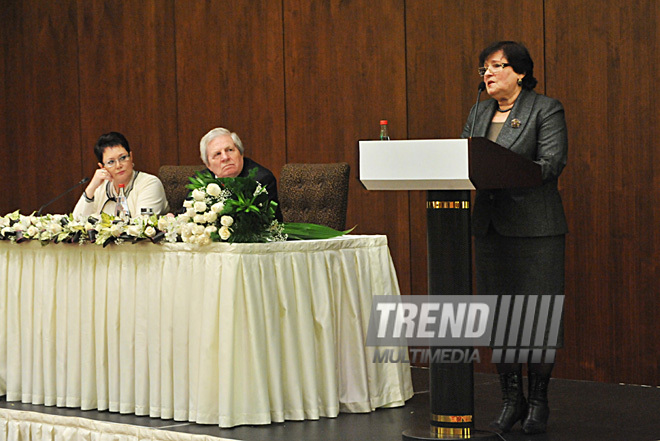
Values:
[(448, 169)]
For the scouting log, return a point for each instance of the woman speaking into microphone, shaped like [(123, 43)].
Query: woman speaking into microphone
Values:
[(520, 233)]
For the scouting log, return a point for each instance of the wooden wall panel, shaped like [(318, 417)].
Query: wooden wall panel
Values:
[(127, 79), (601, 63), (39, 135), (8, 200), (230, 74), (345, 70)]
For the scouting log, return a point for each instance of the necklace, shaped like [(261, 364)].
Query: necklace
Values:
[(504, 111)]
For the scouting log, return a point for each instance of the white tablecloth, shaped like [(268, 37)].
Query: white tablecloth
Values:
[(221, 334)]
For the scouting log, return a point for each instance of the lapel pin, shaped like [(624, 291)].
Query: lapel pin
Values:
[(515, 123)]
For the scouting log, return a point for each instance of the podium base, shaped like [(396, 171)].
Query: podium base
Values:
[(419, 434)]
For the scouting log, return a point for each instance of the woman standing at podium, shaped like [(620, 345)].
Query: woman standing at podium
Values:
[(520, 233)]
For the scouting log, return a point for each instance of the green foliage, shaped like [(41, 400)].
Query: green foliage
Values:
[(302, 231)]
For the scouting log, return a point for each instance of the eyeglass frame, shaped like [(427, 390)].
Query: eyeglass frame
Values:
[(113, 162), (482, 70)]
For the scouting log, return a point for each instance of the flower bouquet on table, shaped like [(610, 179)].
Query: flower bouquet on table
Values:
[(49, 228), (238, 210), (102, 230)]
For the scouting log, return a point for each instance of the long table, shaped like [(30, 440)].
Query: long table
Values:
[(219, 334)]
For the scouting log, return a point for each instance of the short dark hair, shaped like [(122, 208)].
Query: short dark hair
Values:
[(111, 139), (518, 57)]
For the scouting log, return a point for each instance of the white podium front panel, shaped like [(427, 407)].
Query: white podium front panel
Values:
[(415, 164)]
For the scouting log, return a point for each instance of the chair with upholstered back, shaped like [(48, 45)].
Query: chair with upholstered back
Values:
[(315, 193), (175, 179)]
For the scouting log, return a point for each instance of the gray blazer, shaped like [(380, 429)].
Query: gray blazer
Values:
[(535, 129)]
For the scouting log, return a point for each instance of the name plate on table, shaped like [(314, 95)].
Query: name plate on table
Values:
[(416, 164)]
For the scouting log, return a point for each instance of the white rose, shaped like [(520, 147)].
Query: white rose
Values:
[(224, 233), (198, 195), (115, 230), (199, 219), (150, 231), (24, 223), (33, 231), (198, 229), (200, 206), (204, 240), (210, 217), (227, 221), (133, 230), (186, 230), (187, 203), (210, 229), (54, 228), (163, 223), (213, 189), (218, 207)]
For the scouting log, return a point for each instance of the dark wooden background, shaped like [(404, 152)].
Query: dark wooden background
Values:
[(302, 81)]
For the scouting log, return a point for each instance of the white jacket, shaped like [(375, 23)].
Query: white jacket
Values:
[(143, 191)]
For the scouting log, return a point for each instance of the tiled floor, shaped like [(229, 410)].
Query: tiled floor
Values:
[(580, 411)]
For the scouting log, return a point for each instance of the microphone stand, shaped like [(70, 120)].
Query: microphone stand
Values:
[(82, 181), (482, 86)]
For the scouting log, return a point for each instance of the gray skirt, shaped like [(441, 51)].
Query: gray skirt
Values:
[(527, 273)]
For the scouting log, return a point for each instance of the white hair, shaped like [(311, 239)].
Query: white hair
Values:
[(218, 131)]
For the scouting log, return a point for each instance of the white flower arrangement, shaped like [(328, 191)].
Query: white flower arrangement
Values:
[(219, 210)]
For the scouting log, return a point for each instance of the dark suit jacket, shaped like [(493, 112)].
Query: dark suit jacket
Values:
[(266, 178), (535, 128)]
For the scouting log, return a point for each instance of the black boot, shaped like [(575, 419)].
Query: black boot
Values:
[(537, 415), (515, 406)]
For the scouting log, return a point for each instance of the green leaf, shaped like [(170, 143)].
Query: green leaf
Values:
[(304, 231)]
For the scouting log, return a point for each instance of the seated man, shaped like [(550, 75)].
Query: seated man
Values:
[(222, 152)]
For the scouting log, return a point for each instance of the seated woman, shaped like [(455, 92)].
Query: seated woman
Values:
[(142, 190)]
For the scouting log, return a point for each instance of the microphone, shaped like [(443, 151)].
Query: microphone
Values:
[(82, 181), (482, 87)]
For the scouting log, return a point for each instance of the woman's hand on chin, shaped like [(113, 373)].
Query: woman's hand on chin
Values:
[(100, 176)]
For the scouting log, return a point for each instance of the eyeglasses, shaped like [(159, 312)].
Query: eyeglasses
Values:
[(494, 68), (111, 163)]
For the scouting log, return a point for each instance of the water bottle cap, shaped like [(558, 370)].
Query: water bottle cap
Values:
[(383, 121)]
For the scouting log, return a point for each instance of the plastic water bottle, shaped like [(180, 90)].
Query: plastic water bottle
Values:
[(384, 134), (121, 209)]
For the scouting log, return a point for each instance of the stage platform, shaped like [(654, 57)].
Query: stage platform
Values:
[(580, 411)]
